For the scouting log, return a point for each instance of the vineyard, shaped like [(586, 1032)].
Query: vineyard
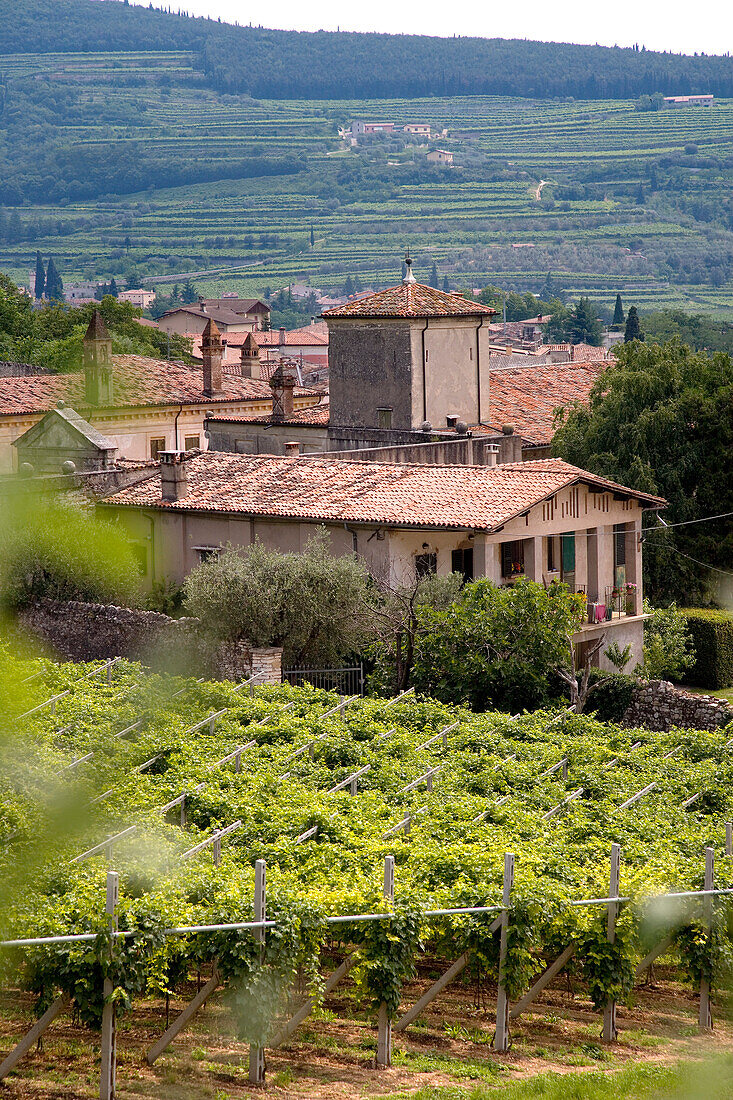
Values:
[(246, 179), (252, 833)]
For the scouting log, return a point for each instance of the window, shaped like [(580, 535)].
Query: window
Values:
[(208, 553), (551, 567), (462, 562), (156, 446), (512, 559), (384, 419), (567, 559), (190, 442), (425, 564), (619, 554)]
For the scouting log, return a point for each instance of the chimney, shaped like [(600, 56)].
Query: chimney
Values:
[(282, 384), (250, 357), (202, 303), (292, 449), (98, 383), (491, 454), (173, 475), (451, 421), (283, 340), (211, 350)]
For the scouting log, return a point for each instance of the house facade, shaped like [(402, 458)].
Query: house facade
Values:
[(546, 520), (229, 315), (142, 406)]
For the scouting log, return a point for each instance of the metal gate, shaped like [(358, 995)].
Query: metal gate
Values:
[(345, 681)]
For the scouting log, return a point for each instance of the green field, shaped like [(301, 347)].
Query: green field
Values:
[(480, 221)]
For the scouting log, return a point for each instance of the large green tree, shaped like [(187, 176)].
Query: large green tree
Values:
[(618, 313), (660, 419), (40, 282), (54, 284), (633, 329), (584, 326), (497, 647)]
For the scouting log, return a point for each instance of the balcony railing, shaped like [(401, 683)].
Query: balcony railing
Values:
[(619, 601)]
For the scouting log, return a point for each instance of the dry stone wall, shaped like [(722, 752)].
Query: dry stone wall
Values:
[(659, 705), (88, 631)]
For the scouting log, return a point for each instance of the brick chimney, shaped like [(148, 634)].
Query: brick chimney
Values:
[(250, 357), (173, 475), (211, 350), (282, 384), (98, 383)]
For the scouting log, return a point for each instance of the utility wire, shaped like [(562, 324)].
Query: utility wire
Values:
[(661, 545), (687, 522)]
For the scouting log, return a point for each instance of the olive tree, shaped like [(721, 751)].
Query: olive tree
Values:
[(318, 607)]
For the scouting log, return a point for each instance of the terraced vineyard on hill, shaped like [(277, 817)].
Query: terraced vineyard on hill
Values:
[(635, 201)]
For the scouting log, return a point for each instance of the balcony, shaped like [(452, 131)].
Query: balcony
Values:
[(619, 603)]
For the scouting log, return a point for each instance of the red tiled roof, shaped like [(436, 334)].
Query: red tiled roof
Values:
[(410, 300), (527, 397), (328, 490), (138, 380), (314, 414)]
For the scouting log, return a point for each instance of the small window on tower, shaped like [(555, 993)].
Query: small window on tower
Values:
[(384, 419)]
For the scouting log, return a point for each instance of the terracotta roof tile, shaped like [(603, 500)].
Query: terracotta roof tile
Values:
[(527, 397), (315, 414), (329, 490), (410, 300), (138, 380)]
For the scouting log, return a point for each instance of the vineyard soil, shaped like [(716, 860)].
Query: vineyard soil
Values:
[(332, 1056)]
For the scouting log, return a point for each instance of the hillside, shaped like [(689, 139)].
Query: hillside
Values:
[(129, 160), (324, 65)]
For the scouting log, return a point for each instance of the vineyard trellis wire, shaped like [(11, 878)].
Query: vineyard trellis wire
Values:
[(351, 736)]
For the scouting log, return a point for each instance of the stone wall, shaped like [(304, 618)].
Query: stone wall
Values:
[(658, 705), (88, 631)]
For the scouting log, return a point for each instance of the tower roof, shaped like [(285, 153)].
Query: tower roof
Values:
[(212, 329), (97, 329), (410, 299), (250, 345)]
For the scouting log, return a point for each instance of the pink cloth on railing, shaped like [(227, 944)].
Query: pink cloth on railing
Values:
[(600, 612)]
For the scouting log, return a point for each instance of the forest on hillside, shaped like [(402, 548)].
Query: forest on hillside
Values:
[(314, 65)]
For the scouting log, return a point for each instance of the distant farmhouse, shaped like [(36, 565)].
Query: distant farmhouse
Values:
[(229, 314), (689, 100), (419, 129), (359, 128), (440, 156), (143, 299)]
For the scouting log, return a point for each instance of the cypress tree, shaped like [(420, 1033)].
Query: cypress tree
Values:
[(113, 288), (618, 313), (40, 276), (434, 276), (446, 286), (313, 238), (54, 285), (633, 328)]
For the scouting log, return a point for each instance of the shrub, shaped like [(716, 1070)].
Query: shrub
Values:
[(57, 551), (611, 694), (712, 636), (316, 606), (668, 646), (497, 647)]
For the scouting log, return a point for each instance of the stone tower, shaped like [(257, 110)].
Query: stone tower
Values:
[(98, 381), (211, 351), (250, 357), (407, 357)]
